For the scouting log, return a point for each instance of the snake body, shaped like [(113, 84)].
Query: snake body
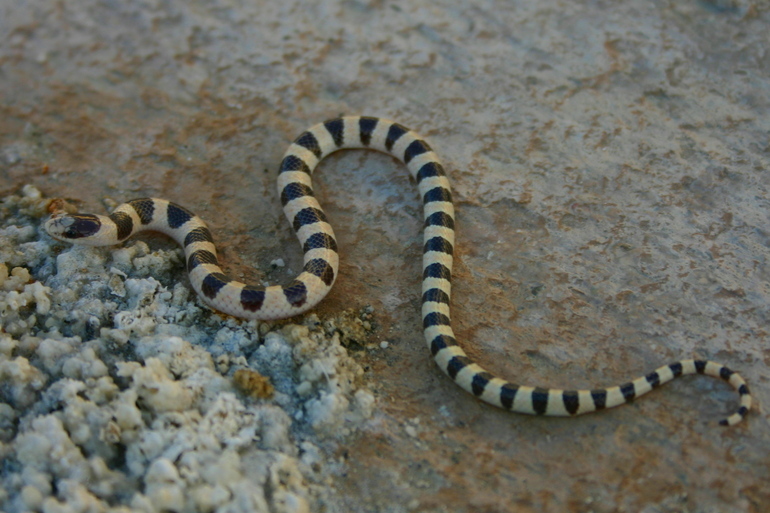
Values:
[(321, 263)]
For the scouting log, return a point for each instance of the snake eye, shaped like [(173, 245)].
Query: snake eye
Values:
[(82, 225)]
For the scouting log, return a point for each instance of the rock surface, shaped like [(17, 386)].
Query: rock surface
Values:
[(610, 165)]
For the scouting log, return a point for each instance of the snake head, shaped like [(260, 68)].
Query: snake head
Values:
[(69, 227)]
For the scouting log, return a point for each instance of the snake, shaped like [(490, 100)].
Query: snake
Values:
[(321, 265)]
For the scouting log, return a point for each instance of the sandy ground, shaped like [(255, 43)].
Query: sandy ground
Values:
[(610, 168)]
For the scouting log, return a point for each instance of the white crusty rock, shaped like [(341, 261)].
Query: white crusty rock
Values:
[(117, 390)]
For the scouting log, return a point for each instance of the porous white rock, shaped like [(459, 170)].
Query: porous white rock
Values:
[(117, 389)]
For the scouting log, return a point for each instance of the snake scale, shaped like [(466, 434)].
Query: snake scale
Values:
[(321, 263)]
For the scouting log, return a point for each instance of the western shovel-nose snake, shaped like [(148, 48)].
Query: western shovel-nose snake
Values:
[(321, 262)]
